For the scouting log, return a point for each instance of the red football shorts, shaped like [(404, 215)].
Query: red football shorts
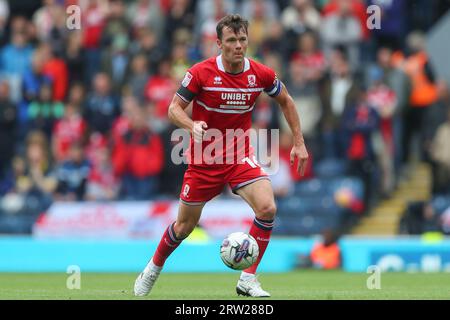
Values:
[(201, 184)]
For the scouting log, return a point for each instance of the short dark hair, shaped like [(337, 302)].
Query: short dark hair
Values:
[(233, 21)]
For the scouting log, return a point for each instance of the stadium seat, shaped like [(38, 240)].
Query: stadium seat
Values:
[(299, 206), (330, 168), (305, 225), (311, 187), (327, 187)]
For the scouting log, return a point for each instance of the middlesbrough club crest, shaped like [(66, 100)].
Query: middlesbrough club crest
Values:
[(251, 80), (187, 79)]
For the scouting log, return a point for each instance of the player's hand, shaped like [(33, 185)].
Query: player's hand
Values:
[(300, 152), (198, 130)]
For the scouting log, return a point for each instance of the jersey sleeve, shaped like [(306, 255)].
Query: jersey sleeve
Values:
[(272, 85), (190, 85)]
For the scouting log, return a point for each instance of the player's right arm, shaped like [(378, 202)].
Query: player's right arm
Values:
[(189, 88), (179, 117)]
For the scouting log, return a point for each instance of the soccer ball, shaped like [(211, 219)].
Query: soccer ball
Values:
[(239, 251)]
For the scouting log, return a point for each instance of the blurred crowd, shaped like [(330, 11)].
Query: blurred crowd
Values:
[(83, 113)]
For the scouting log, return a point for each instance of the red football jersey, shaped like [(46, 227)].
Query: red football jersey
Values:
[(67, 131), (225, 102)]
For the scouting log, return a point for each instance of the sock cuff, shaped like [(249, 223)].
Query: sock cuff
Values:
[(171, 233), (266, 225)]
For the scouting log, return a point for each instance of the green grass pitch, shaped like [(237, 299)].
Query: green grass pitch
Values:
[(298, 285)]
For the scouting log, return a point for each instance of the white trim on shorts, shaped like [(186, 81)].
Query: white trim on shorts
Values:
[(193, 203), (243, 184)]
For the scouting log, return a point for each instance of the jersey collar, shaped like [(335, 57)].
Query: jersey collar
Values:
[(221, 67)]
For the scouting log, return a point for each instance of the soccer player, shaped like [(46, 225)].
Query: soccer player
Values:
[(223, 90)]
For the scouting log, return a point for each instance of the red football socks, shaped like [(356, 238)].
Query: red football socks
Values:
[(260, 230), (169, 242)]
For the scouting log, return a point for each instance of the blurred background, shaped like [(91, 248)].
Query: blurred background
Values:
[(85, 142)]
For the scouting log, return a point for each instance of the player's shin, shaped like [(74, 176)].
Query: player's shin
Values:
[(261, 231), (169, 242)]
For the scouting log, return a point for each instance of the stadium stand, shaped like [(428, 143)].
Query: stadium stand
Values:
[(93, 86)]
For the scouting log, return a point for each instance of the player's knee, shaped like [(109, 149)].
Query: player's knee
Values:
[(266, 211)]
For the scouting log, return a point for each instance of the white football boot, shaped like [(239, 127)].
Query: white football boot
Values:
[(145, 281), (250, 287)]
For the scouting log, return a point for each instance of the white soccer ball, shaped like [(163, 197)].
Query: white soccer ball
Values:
[(239, 251)]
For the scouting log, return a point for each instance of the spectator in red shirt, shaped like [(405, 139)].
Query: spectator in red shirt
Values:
[(93, 20), (102, 184), (160, 88), (95, 141), (67, 131), (56, 69), (138, 158)]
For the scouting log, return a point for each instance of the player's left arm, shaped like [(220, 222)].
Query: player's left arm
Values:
[(287, 106)]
